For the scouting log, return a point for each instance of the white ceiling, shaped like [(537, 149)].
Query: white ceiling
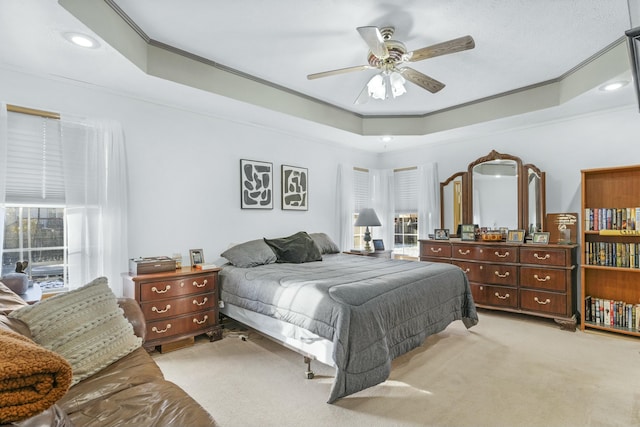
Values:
[(248, 59)]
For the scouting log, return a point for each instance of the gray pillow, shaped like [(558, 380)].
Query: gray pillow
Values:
[(297, 248), (324, 242), (250, 254), (17, 282)]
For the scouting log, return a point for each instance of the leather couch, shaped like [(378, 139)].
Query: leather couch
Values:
[(130, 392)]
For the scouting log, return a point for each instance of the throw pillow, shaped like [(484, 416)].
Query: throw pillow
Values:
[(324, 242), (297, 248), (85, 326), (17, 282), (9, 300), (250, 254)]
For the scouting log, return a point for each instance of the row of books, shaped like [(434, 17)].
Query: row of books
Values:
[(596, 219), (606, 312), (612, 254)]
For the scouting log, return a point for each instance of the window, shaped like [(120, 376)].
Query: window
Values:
[(36, 234), (361, 200), (62, 198), (405, 182)]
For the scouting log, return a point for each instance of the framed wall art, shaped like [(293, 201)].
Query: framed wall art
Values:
[(295, 188), (256, 184)]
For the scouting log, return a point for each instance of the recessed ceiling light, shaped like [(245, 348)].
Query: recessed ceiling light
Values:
[(82, 40), (386, 138), (614, 85)]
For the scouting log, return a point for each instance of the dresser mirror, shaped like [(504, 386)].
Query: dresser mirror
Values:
[(452, 202), (496, 191)]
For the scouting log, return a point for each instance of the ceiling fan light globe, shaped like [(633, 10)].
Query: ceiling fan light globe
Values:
[(397, 84), (376, 87)]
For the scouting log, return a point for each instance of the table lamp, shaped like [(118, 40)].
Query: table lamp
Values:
[(367, 218)]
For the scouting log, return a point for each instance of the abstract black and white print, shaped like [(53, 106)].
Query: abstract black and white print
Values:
[(256, 180), (295, 188)]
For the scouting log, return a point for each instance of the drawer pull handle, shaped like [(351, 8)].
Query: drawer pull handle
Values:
[(546, 256), (200, 322), (158, 291), (547, 301), (502, 275), (204, 283), (436, 250), (502, 297), (506, 254), (466, 270), (160, 310), (204, 301), (161, 331), (461, 252), (542, 279)]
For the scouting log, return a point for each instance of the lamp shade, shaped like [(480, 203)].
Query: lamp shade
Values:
[(367, 218)]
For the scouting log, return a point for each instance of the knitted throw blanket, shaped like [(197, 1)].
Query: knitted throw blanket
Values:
[(32, 378)]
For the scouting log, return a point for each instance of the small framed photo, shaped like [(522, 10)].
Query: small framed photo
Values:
[(441, 234), (468, 232), (378, 245), (515, 236), (541, 238), (197, 257)]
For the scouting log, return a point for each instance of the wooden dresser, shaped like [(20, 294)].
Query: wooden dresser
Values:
[(177, 304), (539, 280)]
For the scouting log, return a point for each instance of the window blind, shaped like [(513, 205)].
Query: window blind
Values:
[(34, 160), (406, 190), (361, 189)]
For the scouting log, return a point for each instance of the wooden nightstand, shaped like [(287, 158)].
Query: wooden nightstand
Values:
[(177, 304), (375, 254)]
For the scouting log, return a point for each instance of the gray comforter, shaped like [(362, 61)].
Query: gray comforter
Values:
[(373, 310)]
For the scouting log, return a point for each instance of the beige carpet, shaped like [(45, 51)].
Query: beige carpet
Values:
[(509, 370)]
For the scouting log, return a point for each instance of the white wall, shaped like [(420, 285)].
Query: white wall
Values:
[(184, 169), (560, 148)]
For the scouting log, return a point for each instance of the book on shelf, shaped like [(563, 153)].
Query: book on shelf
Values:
[(612, 313), (600, 219)]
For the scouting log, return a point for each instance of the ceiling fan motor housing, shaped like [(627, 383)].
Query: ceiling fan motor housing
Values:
[(397, 50)]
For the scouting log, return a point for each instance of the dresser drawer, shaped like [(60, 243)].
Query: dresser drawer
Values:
[(473, 270), (545, 256), (469, 252), (189, 324), (498, 253), (544, 278), (434, 249), (161, 289), (498, 296), (500, 274), (174, 307), (544, 302)]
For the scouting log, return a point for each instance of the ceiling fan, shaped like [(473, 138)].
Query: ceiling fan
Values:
[(390, 57)]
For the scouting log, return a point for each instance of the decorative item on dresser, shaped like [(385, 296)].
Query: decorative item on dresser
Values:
[(176, 305), (610, 267), (523, 278)]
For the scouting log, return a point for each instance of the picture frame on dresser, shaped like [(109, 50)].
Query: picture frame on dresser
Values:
[(441, 234), (196, 256), (540, 238), (378, 245), (515, 236), (468, 232)]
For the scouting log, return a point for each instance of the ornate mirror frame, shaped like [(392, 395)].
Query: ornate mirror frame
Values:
[(530, 201)]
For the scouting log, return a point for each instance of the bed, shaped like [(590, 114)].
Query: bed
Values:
[(355, 313)]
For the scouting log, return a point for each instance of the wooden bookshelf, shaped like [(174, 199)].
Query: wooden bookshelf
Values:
[(608, 269)]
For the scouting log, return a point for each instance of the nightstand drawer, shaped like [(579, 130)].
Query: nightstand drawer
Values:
[(188, 324), (150, 291), (174, 307)]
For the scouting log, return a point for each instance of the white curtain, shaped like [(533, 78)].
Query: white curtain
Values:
[(344, 206), (381, 183), (96, 199), (3, 173), (428, 199)]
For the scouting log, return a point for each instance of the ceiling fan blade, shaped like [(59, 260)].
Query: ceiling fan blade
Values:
[(373, 38), (339, 71), (444, 48), (422, 80)]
